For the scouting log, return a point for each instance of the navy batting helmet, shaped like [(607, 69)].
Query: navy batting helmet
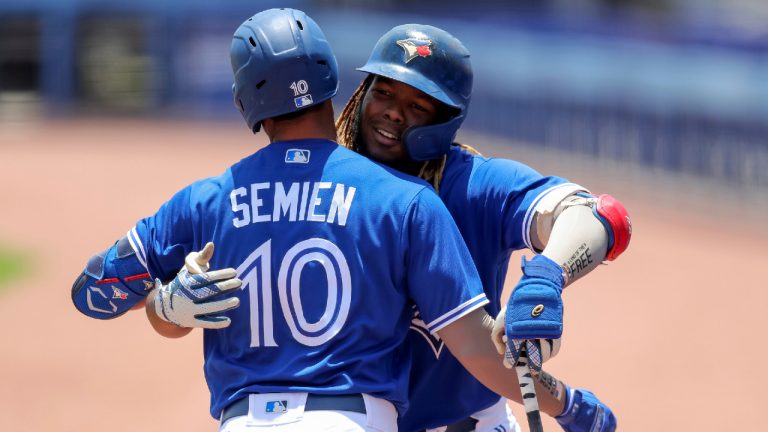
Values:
[(435, 62), (282, 63)]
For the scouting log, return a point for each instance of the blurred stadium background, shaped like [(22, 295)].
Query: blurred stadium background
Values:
[(663, 103), (672, 84)]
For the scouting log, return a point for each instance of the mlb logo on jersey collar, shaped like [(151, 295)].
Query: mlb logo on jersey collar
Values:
[(297, 156), (279, 406)]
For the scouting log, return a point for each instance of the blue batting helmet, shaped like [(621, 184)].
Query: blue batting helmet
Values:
[(435, 62), (282, 63)]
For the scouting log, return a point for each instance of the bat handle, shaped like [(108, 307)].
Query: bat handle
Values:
[(528, 392)]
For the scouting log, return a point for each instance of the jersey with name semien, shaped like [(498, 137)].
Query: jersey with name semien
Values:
[(333, 250)]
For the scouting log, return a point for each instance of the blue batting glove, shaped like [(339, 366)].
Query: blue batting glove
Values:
[(585, 413), (535, 309)]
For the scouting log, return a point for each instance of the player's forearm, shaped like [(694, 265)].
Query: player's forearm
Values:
[(112, 283), (162, 327), (469, 341)]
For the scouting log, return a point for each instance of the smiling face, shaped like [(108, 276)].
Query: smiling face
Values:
[(389, 108)]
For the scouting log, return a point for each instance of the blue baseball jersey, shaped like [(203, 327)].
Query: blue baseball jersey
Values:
[(334, 251), (492, 202)]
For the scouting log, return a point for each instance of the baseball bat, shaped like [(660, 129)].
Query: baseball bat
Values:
[(528, 392)]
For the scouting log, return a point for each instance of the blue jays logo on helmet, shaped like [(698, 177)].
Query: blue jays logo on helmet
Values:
[(282, 63), (433, 61), (414, 48)]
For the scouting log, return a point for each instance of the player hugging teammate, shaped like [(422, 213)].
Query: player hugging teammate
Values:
[(322, 250), (406, 114)]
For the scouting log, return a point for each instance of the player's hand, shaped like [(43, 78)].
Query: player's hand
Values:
[(533, 320), (197, 262), (585, 413), (546, 348), (190, 299)]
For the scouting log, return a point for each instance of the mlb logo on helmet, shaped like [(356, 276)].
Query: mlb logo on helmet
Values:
[(303, 101), (275, 407), (415, 48), (297, 156)]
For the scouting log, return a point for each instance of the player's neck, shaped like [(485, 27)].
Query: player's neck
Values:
[(314, 124), (405, 165)]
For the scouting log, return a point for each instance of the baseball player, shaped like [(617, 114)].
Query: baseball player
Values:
[(406, 114), (321, 256)]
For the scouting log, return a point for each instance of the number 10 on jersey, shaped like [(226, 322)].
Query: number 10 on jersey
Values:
[(256, 274)]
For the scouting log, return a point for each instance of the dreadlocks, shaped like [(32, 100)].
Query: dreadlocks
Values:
[(348, 135)]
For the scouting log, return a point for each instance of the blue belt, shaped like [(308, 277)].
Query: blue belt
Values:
[(315, 402)]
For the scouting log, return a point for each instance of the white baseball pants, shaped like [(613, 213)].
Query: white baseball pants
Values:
[(496, 418), (380, 416)]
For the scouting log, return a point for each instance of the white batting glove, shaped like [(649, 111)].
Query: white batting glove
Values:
[(188, 300), (538, 350)]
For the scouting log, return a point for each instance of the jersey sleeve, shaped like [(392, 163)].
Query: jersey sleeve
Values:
[(442, 279), (163, 240), (509, 192)]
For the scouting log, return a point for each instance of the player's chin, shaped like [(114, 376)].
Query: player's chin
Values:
[(386, 155), (385, 152)]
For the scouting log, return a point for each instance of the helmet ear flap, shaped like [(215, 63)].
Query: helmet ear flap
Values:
[(432, 141)]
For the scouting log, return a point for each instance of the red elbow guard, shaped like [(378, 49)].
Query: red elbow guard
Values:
[(618, 221)]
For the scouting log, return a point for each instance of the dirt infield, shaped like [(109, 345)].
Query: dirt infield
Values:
[(669, 335)]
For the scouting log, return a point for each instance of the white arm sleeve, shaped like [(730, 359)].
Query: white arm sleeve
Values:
[(569, 233), (578, 242)]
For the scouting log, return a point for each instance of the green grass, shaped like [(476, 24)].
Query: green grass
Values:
[(13, 265)]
